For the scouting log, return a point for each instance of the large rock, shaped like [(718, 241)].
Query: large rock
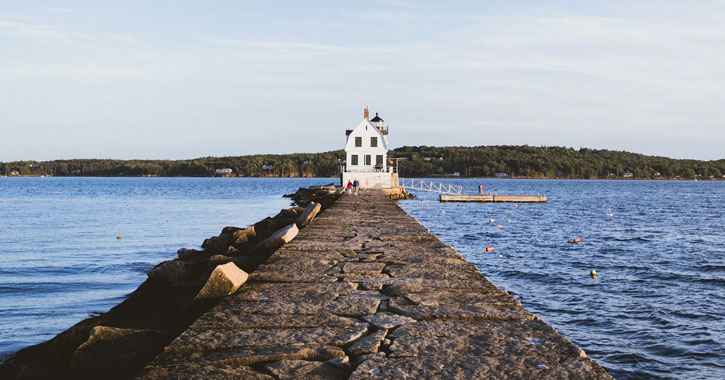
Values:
[(115, 353), (277, 239), (306, 216), (192, 254), (173, 271), (243, 237), (223, 281)]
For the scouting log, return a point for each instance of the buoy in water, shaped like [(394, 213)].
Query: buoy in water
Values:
[(593, 273), (575, 240), (508, 220), (489, 249), (491, 220), (443, 211), (671, 206), (499, 226), (516, 205), (119, 237), (167, 221)]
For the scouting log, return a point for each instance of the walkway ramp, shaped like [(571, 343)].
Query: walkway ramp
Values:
[(366, 292), (436, 187)]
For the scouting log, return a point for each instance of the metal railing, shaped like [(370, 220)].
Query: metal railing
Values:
[(418, 184)]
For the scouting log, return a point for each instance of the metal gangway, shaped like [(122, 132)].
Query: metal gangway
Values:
[(419, 184)]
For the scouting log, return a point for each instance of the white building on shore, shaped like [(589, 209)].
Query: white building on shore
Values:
[(366, 151)]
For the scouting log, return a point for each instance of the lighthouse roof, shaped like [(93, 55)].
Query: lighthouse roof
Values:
[(376, 118)]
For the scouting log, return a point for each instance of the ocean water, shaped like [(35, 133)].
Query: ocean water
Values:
[(61, 260), (657, 307)]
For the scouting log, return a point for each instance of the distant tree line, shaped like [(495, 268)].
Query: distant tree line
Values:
[(421, 161)]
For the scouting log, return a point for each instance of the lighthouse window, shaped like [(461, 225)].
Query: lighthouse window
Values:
[(358, 141), (353, 159), (367, 159), (379, 159), (373, 142)]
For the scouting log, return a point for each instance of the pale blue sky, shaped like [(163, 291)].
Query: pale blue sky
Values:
[(184, 79)]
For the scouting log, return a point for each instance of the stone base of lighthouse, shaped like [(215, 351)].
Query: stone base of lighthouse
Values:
[(371, 180)]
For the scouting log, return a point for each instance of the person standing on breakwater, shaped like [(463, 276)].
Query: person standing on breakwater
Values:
[(480, 189), (356, 185), (349, 188)]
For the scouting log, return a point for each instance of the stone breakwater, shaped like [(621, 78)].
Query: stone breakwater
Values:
[(366, 292)]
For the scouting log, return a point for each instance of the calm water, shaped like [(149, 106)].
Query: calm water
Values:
[(657, 307), (60, 259), (655, 310)]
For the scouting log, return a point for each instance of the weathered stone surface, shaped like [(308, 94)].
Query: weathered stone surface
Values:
[(224, 320), (277, 239), (459, 311), (472, 367), (342, 363), (303, 369), (250, 355), (363, 267), (368, 344), (497, 339), (271, 291), (283, 254), (445, 296), (223, 281), (387, 320), (202, 372), (345, 306), (207, 340), (308, 214), (114, 353)]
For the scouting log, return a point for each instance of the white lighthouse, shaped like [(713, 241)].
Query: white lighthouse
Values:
[(366, 151)]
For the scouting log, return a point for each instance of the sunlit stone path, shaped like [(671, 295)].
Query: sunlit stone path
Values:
[(367, 292)]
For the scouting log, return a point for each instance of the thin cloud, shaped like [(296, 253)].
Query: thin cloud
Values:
[(42, 32)]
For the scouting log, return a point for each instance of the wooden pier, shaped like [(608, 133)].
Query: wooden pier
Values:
[(366, 292), (493, 198)]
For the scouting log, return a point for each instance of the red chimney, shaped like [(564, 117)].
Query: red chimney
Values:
[(366, 113)]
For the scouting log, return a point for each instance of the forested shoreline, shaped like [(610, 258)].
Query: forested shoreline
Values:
[(416, 161)]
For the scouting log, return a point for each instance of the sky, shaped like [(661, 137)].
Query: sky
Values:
[(185, 79)]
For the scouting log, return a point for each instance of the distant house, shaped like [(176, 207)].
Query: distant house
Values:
[(500, 175), (627, 175), (34, 165), (454, 174), (427, 158), (14, 172), (267, 167), (223, 171)]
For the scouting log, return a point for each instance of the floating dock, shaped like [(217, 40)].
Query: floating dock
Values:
[(366, 292), (493, 198)]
